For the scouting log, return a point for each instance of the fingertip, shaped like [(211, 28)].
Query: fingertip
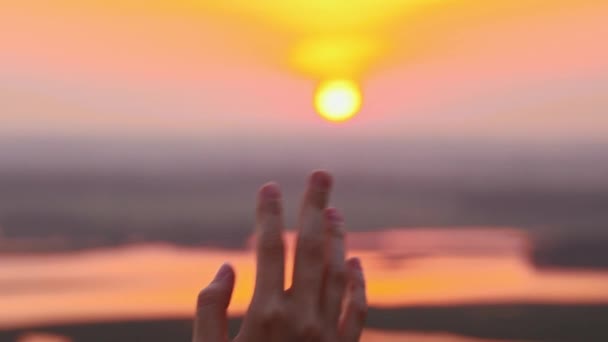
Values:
[(321, 180), (335, 225), (212, 304), (355, 270), (270, 191), (225, 273), (319, 188), (334, 216), (269, 198), (219, 291), (355, 264)]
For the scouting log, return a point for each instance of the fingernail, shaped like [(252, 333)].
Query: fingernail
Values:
[(334, 215), (321, 180), (223, 273), (356, 264), (271, 191)]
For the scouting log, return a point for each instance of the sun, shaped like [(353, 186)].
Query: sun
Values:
[(338, 100)]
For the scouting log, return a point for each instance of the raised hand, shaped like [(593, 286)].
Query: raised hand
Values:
[(326, 302)]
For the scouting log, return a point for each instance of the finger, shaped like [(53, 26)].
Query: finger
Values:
[(211, 322), (270, 247), (335, 272), (355, 308), (310, 247)]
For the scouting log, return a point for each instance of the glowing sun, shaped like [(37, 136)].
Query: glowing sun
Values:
[(338, 100)]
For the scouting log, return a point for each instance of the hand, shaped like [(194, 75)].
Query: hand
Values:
[(326, 302)]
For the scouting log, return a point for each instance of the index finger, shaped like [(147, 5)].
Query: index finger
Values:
[(270, 266), (310, 246)]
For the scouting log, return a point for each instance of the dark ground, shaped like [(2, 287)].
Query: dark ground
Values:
[(529, 322)]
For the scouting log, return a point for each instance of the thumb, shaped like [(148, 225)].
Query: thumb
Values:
[(211, 322)]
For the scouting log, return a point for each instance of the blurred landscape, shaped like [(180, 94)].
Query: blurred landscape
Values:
[(522, 249), (83, 194)]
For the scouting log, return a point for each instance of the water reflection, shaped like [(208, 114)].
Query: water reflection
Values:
[(41, 337), (404, 268)]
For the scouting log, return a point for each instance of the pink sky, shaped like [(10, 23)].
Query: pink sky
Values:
[(500, 69)]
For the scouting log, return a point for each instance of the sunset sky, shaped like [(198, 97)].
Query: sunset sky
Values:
[(530, 70), (134, 131)]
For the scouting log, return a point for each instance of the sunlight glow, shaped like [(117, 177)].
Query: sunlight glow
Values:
[(322, 16), (338, 100), (337, 56)]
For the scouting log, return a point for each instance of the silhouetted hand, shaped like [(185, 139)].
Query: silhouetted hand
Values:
[(326, 302)]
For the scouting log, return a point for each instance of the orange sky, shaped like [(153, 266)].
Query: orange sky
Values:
[(501, 69)]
